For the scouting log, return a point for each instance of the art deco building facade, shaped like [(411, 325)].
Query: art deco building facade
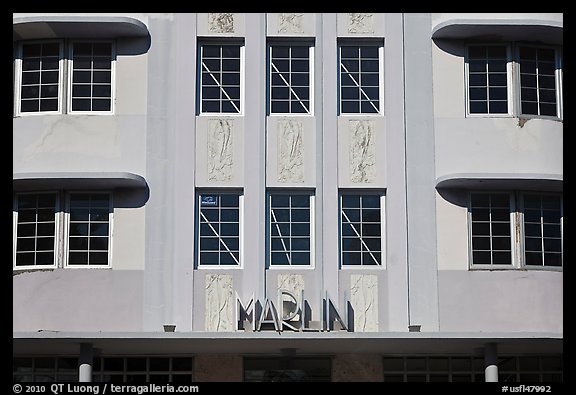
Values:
[(307, 197)]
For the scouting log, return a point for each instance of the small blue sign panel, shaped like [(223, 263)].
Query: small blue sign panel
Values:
[(209, 200)]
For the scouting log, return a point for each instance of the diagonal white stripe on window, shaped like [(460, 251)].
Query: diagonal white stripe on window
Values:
[(360, 237), (219, 238), (220, 86), (288, 85), (358, 85), (281, 238)]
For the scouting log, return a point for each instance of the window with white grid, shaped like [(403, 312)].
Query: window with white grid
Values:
[(516, 229), (542, 230), (36, 223), (360, 78), (91, 77), (290, 80), (220, 82), (361, 229), (488, 79), (219, 234), (538, 94), (514, 79), (40, 77), (47, 234), (42, 88), (89, 229), (290, 229)]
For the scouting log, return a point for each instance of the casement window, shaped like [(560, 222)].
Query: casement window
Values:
[(221, 68), (62, 230), (219, 236), (41, 85), (290, 79), (361, 229), (513, 80), (91, 77), (360, 78), (513, 230), (290, 229)]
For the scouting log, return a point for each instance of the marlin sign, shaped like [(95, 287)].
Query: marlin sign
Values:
[(288, 312)]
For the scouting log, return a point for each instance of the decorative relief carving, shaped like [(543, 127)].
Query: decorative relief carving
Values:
[(364, 301), (219, 303), (362, 156), (221, 22), (360, 23), (295, 284), (290, 23), (220, 150), (290, 151)]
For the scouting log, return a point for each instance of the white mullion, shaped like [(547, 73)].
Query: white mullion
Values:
[(537, 90)]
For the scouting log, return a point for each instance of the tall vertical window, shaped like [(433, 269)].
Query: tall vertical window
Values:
[(47, 234), (36, 230), (542, 230), (220, 70), (513, 79), (91, 78), (40, 86), (537, 81), (40, 77), (491, 229), (361, 229), (360, 78), (488, 79), (516, 229), (89, 229), (219, 234), (290, 81), (290, 229)]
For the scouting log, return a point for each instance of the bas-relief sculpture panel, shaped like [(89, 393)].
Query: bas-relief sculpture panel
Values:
[(290, 151), (362, 156), (219, 303), (220, 149)]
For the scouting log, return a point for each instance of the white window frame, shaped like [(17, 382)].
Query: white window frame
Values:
[(312, 199), (62, 225), (382, 196), (66, 237), (200, 49), (18, 78), (57, 231), (381, 87), (240, 265), (513, 237), (513, 81), (509, 85), (558, 81), (71, 74), (310, 46), (516, 204), (520, 213)]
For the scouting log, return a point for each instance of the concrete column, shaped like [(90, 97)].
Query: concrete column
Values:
[(490, 363), (85, 363)]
